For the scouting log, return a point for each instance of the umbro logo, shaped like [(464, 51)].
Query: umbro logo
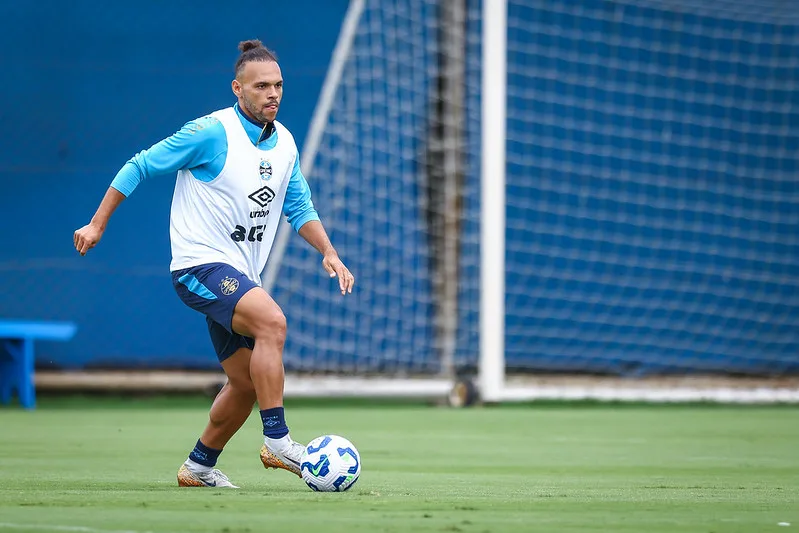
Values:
[(262, 196)]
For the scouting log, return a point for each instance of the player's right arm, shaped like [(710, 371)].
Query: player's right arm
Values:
[(200, 143), (89, 235)]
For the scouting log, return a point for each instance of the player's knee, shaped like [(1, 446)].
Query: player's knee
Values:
[(271, 327)]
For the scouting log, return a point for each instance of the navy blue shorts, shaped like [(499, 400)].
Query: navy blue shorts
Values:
[(214, 290)]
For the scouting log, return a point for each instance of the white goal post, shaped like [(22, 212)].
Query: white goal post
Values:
[(492, 217)]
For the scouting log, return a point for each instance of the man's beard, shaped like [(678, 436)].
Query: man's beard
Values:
[(260, 117)]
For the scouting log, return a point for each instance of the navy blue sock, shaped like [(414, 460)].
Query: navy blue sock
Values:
[(202, 454), (274, 423)]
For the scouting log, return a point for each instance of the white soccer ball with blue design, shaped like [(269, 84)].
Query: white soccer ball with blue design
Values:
[(330, 464)]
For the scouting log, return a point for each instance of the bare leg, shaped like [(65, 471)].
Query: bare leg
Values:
[(258, 316), (230, 410), (233, 405)]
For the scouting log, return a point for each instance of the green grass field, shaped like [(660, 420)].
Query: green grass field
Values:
[(108, 465)]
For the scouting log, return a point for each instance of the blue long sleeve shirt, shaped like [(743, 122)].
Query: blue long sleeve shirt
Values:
[(201, 146)]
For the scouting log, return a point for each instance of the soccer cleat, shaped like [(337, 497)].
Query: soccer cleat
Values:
[(212, 478), (288, 461)]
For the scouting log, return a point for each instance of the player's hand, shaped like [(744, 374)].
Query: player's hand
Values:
[(336, 268), (87, 238)]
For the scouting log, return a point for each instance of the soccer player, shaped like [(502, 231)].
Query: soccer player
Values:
[(237, 170)]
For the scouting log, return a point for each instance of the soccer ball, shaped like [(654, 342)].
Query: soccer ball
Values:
[(330, 464)]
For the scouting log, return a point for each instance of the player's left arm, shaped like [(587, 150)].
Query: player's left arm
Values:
[(303, 217), (313, 232)]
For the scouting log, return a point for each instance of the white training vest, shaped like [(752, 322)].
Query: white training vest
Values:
[(233, 218)]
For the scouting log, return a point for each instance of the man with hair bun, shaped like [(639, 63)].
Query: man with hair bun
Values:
[(237, 170)]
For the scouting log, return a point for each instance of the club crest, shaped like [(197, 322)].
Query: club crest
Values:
[(265, 170), (229, 285)]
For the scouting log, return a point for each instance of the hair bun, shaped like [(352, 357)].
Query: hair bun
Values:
[(249, 45)]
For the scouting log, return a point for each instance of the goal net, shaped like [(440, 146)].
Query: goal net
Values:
[(648, 177)]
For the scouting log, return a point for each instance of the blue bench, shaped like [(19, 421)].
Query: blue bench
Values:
[(17, 357)]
